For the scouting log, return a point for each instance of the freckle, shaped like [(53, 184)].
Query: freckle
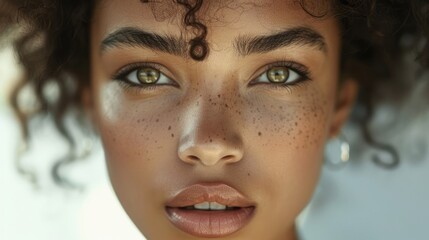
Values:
[(248, 174), (172, 135), (296, 123), (114, 139), (157, 120), (211, 140), (224, 139), (169, 127), (226, 105), (259, 134), (281, 107), (218, 95)]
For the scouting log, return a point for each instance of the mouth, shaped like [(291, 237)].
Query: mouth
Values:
[(210, 210)]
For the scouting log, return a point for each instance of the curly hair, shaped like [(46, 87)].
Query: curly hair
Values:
[(52, 46)]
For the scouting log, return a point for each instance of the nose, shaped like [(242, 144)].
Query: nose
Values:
[(210, 138), (198, 151)]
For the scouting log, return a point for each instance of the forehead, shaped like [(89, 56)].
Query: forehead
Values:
[(223, 18)]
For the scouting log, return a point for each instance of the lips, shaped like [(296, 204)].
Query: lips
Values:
[(215, 221)]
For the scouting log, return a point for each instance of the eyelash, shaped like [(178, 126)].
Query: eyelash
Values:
[(301, 70)]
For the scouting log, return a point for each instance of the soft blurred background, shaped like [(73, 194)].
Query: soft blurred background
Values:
[(358, 201)]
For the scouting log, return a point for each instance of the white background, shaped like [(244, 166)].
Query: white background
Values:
[(361, 201)]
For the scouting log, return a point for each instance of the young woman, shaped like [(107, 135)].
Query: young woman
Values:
[(214, 115)]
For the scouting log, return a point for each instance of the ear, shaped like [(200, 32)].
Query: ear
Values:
[(344, 103)]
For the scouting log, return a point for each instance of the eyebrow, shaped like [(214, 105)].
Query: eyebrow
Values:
[(133, 37), (246, 45)]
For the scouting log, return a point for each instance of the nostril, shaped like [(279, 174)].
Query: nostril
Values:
[(193, 157), (227, 157)]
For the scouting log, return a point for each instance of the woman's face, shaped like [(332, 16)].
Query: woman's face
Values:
[(252, 118)]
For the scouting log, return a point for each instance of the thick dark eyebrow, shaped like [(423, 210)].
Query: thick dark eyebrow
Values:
[(246, 45), (134, 37)]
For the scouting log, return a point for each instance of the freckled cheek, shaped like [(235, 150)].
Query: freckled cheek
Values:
[(294, 127), (139, 140), (285, 143), (288, 136)]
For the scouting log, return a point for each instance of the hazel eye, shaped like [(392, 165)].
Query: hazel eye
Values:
[(279, 75), (147, 76)]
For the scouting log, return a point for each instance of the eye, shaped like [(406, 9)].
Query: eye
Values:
[(279, 75), (147, 76)]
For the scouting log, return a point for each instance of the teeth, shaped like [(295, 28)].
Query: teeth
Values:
[(202, 206), (217, 206), (209, 206)]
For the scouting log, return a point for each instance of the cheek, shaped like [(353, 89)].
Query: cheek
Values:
[(138, 140), (286, 146), (298, 127)]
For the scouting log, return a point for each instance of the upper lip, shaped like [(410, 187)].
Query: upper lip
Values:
[(209, 192)]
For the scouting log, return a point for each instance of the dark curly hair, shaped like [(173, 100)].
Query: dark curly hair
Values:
[(53, 35)]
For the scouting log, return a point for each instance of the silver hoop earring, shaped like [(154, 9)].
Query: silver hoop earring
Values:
[(334, 159)]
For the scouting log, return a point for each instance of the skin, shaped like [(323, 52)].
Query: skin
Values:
[(212, 125)]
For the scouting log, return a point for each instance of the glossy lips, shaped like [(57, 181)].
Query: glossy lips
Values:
[(213, 223)]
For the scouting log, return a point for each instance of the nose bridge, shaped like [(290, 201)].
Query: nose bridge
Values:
[(210, 136)]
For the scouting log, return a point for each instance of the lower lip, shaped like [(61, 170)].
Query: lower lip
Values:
[(210, 223)]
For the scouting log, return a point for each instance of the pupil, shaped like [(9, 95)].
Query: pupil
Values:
[(278, 74)]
